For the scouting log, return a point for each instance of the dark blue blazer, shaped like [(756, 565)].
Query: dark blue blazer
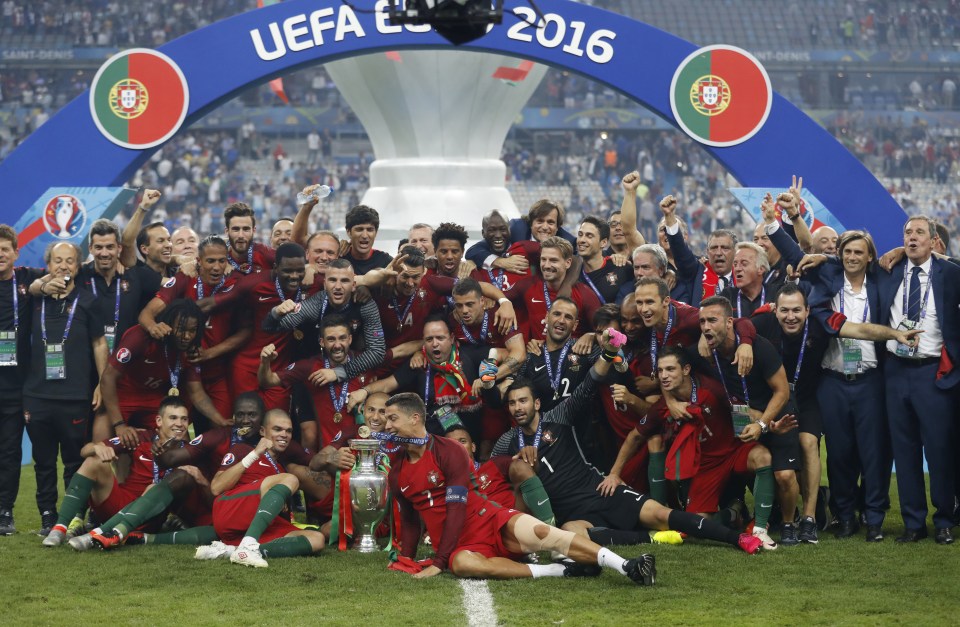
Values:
[(689, 269), (519, 232)]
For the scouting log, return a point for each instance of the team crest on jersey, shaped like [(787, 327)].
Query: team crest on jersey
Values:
[(422, 293), (228, 459), (548, 437), (125, 286), (354, 325), (22, 289), (197, 440), (170, 282), (363, 378), (114, 440), (484, 481), (124, 355), (611, 278), (574, 362), (433, 477)]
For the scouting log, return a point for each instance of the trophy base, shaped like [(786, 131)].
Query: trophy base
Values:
[(366, 544)]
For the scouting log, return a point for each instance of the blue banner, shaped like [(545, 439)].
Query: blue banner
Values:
[(64, 214), (814, 213)]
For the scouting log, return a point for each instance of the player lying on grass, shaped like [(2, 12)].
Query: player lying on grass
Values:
[(432, 479), (616, 514), (96, 483)]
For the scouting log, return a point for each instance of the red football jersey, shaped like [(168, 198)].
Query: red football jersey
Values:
[(141, 472), (712, 408), (476, 335), (145, 369), (267, 465), (528, 295), (403, 318), (493, 483), (261, 261)]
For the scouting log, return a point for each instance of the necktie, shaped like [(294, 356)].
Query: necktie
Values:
[(913, 299)]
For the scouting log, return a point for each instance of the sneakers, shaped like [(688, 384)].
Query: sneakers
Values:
[(214, 551), (666, 537), (642, 570), (173, 523), (808, 531), (106, 540), (75, 528), (7, 527), (48, 519), (248, 554), (56, 536), (788, 535), (576, 569), (81, 543), (767, 542), (749, 544), (135, 537)]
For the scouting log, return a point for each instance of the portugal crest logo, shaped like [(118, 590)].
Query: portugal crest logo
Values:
[(64, 216), (721, 95), (139, 98)]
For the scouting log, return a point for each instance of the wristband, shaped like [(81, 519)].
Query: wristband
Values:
[(500, 301), (251, 457), (608, 357)]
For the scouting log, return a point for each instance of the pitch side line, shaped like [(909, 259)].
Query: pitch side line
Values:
[(478, 603)]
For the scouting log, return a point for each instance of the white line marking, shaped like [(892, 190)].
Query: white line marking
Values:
[(478, 603)]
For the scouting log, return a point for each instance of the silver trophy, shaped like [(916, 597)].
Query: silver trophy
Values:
[(368, 495)]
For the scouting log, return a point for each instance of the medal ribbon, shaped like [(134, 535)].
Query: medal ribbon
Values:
[(555, 380), (296, 297), (483, 330), (401, 316), (743, 380), (497, 279), (272, 462), (237, 266), (589, 282), (536, 436), (174, 372), (399, 439), (671, 314), (337, 406), (66, 329), (200, 287)]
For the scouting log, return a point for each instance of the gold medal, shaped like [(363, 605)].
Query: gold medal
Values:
[(173, 392), (297, 334), (337, 417), (364, 431), (243, 431)]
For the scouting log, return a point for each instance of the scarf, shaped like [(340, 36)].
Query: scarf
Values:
[(450, 380)]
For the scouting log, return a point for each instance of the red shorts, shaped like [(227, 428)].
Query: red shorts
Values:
[(495, 422), (234, 511), (195, 510), (482, 533), (219, 392), (634, 472), (708, 483), (322, 509), (120, 497)]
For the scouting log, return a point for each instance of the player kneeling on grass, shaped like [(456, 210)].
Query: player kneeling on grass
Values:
[(252, 489), (96, 483), (432, 479)]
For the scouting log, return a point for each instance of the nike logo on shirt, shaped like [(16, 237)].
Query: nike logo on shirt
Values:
[(404, 488), (145, 459), (263, 298), (264, 465), (540, 368)]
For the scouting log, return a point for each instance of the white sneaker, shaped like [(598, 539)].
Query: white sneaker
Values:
[(214, 551), (54, 538), (768, 543), (248, 554), (81, 543)]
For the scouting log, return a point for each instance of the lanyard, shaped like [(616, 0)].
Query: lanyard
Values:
[(763, 298), (156, 469), (536, 436), (174, 372), (483, 330), (16, 304), (589, 282), (296, 298), (743, 380), (116, 305), (497, 279), (200, 287), (402, 315), (343, 390), (923, 303), (546, 297), (803, 349), (43, 319), (249, 263), (426, 385), (671, 314), (866, 305), (555, 379)]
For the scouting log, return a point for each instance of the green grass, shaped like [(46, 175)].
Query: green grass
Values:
[(834, 582)]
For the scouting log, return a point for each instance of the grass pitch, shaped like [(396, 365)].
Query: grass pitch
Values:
[(698, 583)]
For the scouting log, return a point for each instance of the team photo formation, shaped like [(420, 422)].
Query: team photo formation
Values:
[(508, 407)]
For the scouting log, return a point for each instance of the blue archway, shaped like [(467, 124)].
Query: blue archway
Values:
[(639, 60)]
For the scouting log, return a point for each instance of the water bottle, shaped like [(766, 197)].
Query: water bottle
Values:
[(319, 193)]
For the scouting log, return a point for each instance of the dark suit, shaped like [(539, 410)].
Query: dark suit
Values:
[(920, 401), (689, 269), (854, 408)]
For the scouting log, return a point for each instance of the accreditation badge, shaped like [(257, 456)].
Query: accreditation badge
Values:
[(55, 362), (8, 348), (852, 356), (902, 349), (741, 418), (110, 333)]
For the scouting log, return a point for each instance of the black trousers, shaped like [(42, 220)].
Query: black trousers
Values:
[(55, 426), (11, 442)]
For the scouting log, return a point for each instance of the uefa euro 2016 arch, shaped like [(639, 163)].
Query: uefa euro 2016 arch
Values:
[(226, 57)]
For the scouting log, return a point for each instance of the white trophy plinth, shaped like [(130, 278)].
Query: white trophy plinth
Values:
[(437, 121)]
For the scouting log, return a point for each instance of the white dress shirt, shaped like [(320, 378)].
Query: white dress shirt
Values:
[(931, 340)]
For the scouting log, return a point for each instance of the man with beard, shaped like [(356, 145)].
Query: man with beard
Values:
[(245, 255), (546, 443), (704, 280), (219, 341), (449, 379), (252, 488), (329, 399), (142, 371), (601, 274), (95, 482)]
